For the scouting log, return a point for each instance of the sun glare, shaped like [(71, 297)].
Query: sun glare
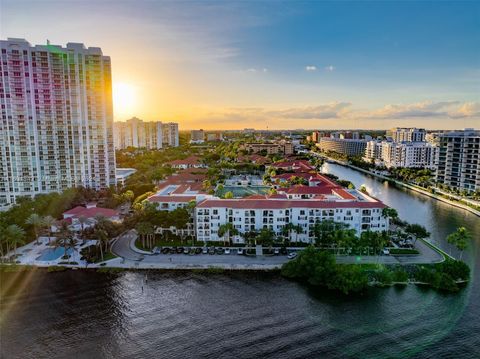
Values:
[(124, 99)]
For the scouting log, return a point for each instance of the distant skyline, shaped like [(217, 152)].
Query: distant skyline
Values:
[(231, 65)]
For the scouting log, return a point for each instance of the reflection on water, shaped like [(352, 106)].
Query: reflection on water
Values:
[(186, 315), (81, 314)]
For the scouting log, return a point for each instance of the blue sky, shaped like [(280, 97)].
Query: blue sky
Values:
[(323, 64)]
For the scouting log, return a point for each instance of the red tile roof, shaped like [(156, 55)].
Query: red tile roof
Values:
[(277, 196), (75, 210), (171, 199), (344, 194), (301, 189), (189, 161), (298, 164), (255, 196), (91, 212), (284, 204)]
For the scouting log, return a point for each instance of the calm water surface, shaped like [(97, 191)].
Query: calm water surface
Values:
[(187, 315)]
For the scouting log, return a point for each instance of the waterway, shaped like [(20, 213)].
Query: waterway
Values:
[(79, 314)]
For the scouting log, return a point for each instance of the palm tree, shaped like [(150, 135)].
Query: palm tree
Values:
[(15, 236), (3, 240), (36, 222), (226, 230), (48, 222), (102, 240), (128, 196), (289, 228), (459, 239), (64, 238), (143, 229), (82, 220)]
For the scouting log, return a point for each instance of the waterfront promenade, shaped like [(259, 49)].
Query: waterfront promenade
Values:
[(129, 256), (132, 257)]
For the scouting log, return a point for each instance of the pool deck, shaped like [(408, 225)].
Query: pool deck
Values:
[(29, 253)]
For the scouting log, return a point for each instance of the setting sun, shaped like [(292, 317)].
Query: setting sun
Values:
[(124, 99)]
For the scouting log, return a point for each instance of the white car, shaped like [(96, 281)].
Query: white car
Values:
[(292, 255), (239, 251), (227, 250), (386, 251), (204, 250)]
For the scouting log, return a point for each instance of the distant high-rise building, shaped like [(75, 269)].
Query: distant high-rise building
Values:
[(459, 160), (197, 136), (350, 135), (170, 134), (137, 133), (399, 134), (315, 136), (401, 154), (270, 148), (432, 138), (347, 147), (408, 154), (373, 151), (215, 136), (56, 128)]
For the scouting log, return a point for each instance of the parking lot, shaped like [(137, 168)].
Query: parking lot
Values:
[(132, 257)]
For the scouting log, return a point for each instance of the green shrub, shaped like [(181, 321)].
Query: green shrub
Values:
[(458, 270), (348, 278), (400, 276), (384, 276)]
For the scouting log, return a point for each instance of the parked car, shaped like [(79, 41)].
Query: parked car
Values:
[(165, 250), (186, 250), (211, 250), (276, 251), (179, 250), (220, 250), (205, 250), (156, 250), (227, 250), (173, 250), (292, 255), (386, 251), (197, 250), (240, 251), (283, 251)]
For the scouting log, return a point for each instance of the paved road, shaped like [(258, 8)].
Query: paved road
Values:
[(123, 247), (133, 257)]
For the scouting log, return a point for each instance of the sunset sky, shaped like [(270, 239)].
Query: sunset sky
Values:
[(281, 65)]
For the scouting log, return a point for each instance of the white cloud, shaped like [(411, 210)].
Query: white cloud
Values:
[(311, 68), (427, 109), (253, 70), (330, 68), (345, 111)]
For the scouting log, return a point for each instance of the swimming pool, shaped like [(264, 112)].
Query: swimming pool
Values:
[(51, 254), (243, 191)]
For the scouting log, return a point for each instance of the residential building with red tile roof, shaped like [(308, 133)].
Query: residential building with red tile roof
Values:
[(319, 199), (90, 213)]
